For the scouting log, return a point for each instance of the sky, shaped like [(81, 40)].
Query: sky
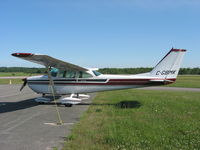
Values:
[(100, 33)]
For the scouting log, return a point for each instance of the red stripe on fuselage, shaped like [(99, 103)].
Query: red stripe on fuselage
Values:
[(110, 82)]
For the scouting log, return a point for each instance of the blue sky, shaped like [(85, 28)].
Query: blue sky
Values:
[(100, 33)]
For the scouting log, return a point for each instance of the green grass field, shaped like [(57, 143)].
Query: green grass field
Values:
[(139, 120), (12, 74), (182, 81), (187, 81), (13, 81)]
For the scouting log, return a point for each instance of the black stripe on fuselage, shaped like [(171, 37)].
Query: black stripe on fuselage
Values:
[(101, 82), (72, 80)]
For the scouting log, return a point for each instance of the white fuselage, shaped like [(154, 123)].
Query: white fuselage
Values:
[(62, 86)]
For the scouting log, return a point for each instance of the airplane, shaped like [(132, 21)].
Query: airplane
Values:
[(65, 78)]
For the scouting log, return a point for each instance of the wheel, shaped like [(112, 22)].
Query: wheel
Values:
[(68, 105), (40, 102)]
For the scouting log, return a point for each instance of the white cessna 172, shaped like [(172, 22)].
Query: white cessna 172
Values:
[(65, 78)]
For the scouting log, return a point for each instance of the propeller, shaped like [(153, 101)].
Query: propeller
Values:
[(24, 84)]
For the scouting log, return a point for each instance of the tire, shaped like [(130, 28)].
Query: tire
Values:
[(68, 105), (40, 102)]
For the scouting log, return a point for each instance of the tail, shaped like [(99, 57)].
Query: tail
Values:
[(169, 66)]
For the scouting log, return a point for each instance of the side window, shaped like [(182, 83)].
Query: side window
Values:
[(80, 75), (62, 74), (70, 74), (97, 73), (86, 75), (73, 74)]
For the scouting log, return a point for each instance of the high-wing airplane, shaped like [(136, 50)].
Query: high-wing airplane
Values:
[(65, 78)]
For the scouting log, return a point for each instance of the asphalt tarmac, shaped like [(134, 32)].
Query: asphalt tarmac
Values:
[(26, 125)]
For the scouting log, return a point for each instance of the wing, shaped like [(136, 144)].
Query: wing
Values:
[(48, 61)]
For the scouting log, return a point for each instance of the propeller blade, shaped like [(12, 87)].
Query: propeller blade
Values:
[(24, 84)]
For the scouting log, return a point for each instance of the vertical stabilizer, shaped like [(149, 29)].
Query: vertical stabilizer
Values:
[(170, 65)]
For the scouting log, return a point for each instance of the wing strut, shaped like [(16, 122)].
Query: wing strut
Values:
[(53, 91)]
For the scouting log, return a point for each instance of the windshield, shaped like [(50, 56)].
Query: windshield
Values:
[(96, 73)]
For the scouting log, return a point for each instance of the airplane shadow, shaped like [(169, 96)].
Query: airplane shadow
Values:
[(14, 106), (28, 103), (123, 104)]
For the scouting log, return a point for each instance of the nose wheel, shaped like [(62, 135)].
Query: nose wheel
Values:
[(68, 105)]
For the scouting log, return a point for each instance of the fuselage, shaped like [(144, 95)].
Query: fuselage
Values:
[(62, 86)]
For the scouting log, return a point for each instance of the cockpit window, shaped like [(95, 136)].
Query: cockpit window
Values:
[(96, 73)]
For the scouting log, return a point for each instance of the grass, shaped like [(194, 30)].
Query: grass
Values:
[(187, 81), (13, 81), (139, 119), (12, 74)]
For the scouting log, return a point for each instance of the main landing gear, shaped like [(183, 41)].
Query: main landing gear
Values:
[(73, 99)]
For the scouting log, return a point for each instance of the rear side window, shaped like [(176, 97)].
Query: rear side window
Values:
[(96, 73), (84, 75)]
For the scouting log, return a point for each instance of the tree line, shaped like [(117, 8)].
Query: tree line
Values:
[(183, 71), (23, 69)]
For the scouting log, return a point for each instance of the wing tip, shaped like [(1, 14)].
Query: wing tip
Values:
[(22, 54), (178, 50)]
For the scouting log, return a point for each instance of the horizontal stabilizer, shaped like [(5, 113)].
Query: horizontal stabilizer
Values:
[(84, 96), (70, 100), (161, 81)]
